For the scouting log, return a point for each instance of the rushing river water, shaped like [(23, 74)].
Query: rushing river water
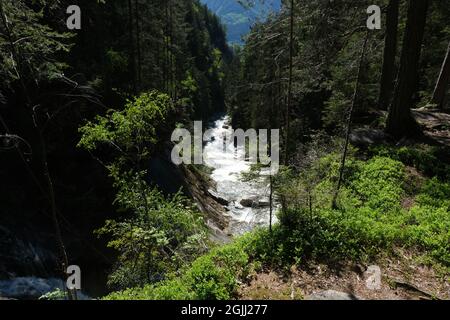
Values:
[(229, 163)]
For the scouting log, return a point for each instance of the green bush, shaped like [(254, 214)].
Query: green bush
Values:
[(435, 193), (432, 161), (214, 276), (156, 235), (370, 220), (370, 216), (379, 184), (174, 289)]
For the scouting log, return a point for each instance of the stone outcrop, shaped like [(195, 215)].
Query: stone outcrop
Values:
[(201, 189)]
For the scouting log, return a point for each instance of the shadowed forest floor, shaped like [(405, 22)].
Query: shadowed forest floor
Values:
[(434, 123)]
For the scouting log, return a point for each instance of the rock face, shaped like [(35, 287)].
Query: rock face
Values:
[(25, 254), (330, 295), (28, 287), (218, 198), (200, 188)]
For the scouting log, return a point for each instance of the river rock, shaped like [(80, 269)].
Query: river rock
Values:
[(373, 277), (247, 203), (237, 205), (262, 204), (218, 198), (28, 287), (254, 203), (330, 295), (32, 288)]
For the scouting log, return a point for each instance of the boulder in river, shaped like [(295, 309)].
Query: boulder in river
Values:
[(247, 203), (261, 204), (255, 203), (218, 198)]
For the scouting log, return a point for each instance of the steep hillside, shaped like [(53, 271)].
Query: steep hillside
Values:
[(238, 17)]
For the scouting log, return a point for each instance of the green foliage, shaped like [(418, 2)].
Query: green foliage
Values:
[(57, 294), (166, 290), (215, 275), (35, 45), (161, 233), (371, 216), (370, 220), (161, 236), (135, 128), (435, 193), (432, 161), (325, 67), (379, 184), (429, 230), (213, 278)]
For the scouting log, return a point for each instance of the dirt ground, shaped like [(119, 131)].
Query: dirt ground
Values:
[(435, 124), (401, 279)]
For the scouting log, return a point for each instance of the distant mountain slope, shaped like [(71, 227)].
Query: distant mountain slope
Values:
[(238, 18)]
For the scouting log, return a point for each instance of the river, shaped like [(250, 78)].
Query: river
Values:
[(228, 164)]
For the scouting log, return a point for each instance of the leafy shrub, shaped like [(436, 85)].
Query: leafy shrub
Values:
[(157, 234), (432, 161), (379, 184), (138, 125), (174, 289), (370, 219), (370, 216), (435, 193), (215, 275), (162, 234)]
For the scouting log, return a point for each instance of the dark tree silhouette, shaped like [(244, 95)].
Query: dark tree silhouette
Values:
[(400, 122)]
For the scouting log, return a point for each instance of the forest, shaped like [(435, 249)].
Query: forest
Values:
[(358, 210)]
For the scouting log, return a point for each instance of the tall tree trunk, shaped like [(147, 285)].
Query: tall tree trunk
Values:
[(289, 97), (171, 54), (273, 75), (271, 203), (132, 57), (440, 91), (138, 46), (349, 123), (400, 122), (387, 83), (166, 48)]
